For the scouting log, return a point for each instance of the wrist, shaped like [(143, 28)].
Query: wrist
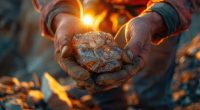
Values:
[(155, 22), (169, 15), (60, 19)]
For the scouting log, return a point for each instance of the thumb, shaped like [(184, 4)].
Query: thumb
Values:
[(120, 37)]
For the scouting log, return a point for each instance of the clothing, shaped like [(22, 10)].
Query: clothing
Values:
[(184, 8), (114, 99), (152, 84)]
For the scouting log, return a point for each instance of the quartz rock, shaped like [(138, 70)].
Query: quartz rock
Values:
[(97, 52)]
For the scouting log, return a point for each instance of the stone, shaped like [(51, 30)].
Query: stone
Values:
[(54, 94), (34, 96), (197, 55), (14, 104), (97, 52), (9, 81)]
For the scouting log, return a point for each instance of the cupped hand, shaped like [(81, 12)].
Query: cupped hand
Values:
[(135, 39), (66, 26)]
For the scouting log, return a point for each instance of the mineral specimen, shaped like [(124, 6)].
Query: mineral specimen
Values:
[(97, 52)]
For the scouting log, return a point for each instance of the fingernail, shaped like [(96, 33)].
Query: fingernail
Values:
[(64, 51), (127, 56), (130, 54)]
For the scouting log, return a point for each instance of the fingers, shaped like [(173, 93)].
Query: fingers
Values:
[(72, 68), (127, 56), (121, 76), (67, 27), (63, 46), (81, 76), (62, 41), (86, 84), (120, 37), (135, 67), (78, 73), (105, 88), (64, 51), (113, 78)]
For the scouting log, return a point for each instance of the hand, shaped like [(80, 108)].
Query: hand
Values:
[(66, 26), (135, 37)]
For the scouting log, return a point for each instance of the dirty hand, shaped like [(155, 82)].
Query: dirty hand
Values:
[(135, 37), (66, 26)]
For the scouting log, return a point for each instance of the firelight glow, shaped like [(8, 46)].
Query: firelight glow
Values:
[(88, 20)]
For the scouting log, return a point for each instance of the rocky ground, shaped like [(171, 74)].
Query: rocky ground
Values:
[(186, 83), (44, 94)]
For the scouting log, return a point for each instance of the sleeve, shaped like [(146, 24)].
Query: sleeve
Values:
[(50, 8), (176, 14)]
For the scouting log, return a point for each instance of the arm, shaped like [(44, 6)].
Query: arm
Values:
[(176, 14), (49, 9), (59, 21), (162, 18)]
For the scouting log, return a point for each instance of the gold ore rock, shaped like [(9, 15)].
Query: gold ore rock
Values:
[(97, 52)]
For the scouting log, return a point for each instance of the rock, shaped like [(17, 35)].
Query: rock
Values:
[(97, 51), (14, 104), (186, 79), (9, 81), (5, 90), (89, 103), (192, 51), (86, 99), (35, 96), (193, 106), (178, 95), (186, 76), (36, 80), (27, 85), (197, 55), (54, 94)]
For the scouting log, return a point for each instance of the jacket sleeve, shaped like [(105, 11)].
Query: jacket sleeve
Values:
[(50, 8), (175, 13)]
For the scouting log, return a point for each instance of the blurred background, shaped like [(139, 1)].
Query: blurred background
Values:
[(22, 49)]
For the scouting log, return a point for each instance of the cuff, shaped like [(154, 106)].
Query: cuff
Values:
[(169, 16), (59, 9), (52, 9)]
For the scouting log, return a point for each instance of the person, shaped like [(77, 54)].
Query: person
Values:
[(146, 40)]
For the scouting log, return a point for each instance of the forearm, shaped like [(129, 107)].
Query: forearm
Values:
[(176, 14), (156, 23), (183, 8), (49, 9)]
